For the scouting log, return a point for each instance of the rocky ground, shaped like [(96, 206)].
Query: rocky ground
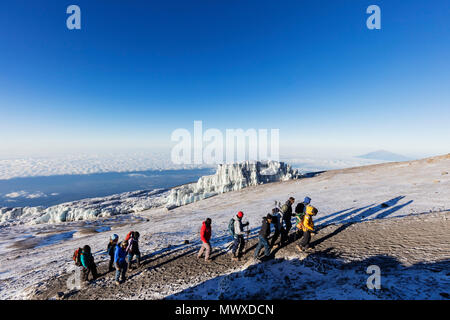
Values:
[(337, 265)]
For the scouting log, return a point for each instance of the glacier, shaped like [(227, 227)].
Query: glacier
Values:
[(228, 177), (231, 177), (87, 209)]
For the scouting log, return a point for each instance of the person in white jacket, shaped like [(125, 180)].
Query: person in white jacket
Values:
[(239, 241)]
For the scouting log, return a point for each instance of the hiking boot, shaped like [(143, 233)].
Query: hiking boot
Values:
[(207, 260), (117, 282), (235, 258), (300, 248)]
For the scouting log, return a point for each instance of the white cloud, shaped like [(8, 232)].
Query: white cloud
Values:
[(86, 164), (25, 194), (17, 194), (137, 175)]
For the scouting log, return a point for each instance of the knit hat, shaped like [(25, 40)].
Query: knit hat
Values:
[(240, 214), (114, 237), (307, 200)]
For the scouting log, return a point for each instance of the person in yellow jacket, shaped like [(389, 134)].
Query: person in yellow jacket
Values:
[(307, 226)]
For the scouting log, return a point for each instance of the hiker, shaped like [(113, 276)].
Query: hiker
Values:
[(111, 249), (307, 227), (205, 236), (286, 210), (77, 257), (120, 262), (238, 233), (278, 226), (299, 214), (87, 260), (263, 236), (307, 201), (133, 249)]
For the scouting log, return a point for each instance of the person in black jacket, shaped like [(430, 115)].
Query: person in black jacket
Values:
[(87, 261), (286, 210), (263, 235), (133, 249)]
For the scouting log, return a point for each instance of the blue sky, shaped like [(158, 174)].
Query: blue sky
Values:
[(137, 71)]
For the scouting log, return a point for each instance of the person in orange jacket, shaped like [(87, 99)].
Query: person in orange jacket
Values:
[(205, 236), (307, 228)]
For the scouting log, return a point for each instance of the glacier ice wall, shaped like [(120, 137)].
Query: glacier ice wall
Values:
[(87, 209), (231, 177)]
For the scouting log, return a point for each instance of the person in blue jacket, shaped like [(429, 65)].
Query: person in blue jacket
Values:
[(120, 262), (87, 261), (278, 226)]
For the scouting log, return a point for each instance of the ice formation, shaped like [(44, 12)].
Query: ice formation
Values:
[(231, 177), (228, 177), (87, 209)]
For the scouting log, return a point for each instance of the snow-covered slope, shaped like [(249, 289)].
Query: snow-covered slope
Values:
[(28, 255)]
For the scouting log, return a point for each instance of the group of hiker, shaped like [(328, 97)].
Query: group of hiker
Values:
[(280, 218), (121, 255), (122, 252)]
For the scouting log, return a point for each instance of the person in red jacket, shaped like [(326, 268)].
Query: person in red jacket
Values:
[(205, 235)]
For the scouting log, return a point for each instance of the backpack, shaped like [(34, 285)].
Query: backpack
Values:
[(77, 257), (284, 208), (300, 208), (128, 235), (300, 212), (231, 227)]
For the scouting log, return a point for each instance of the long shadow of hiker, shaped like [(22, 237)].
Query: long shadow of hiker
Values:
[(394, 209), (371, 211), (333, 214), (365, 214), (345, 215)]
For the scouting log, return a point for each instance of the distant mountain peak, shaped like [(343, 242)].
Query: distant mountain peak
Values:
[(383, 155)]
